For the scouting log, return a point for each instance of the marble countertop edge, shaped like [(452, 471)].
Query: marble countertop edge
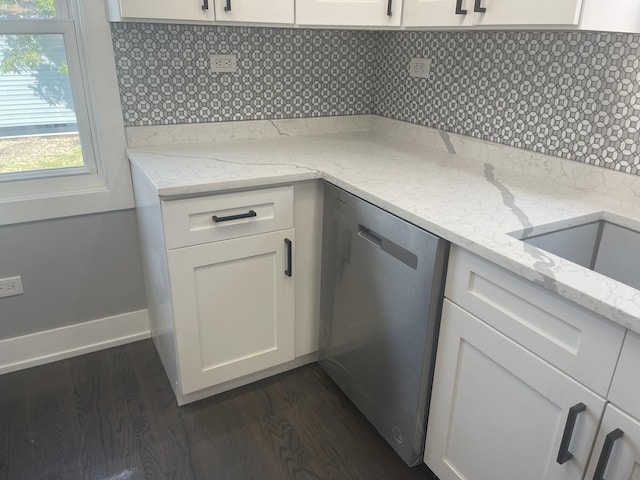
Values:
[(476, 204)]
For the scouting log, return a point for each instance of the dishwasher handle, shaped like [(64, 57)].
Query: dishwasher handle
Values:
[(369, 235), (390, 247)]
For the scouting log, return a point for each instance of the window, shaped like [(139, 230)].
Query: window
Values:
[(58, 157)]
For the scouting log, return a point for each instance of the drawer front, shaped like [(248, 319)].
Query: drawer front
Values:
[(190, 221), (625, 389), (578, 342)]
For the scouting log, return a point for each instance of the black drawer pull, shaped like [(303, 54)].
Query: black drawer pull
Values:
[(205, 4), (607, 448), (289, 271), (249, 214), (227, 7), (479, 9), (389, 11), (564, 455), (459, 10)]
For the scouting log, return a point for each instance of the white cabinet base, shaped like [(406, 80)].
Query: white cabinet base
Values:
[(242, 381)]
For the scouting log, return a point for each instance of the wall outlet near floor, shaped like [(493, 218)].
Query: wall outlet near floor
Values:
[(11, 286), (224, 63), (420, 67)]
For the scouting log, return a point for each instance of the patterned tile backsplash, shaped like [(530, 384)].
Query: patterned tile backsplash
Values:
[(574, 95), (164, 77)]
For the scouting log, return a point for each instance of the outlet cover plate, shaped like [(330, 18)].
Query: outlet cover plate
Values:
[(224, 63), (11, 286), (420, 67)]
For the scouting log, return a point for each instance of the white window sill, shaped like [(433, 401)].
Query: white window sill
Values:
[(110, 187)]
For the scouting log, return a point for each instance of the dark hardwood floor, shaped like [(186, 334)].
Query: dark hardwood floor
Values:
[(111, 415)]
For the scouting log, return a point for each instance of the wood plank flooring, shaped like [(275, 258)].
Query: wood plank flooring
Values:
[(111, 415)]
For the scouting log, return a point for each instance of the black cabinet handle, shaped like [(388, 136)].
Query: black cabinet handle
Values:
[(289, 271), (459, 10), (564, 455), (205, 4), (227, 7), (249, 214), (477, 8), (607, 448), (389, 5)]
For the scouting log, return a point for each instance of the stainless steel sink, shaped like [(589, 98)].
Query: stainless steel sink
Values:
[(601, 246)]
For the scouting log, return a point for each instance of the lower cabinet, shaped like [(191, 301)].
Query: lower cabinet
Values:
[(234, 307), (616, 455), (500, 412), (232, 282), (520, 382)]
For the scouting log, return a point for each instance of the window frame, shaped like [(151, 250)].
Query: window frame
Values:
[(104, 182)]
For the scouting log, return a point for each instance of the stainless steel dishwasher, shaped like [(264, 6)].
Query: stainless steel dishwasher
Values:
[(381, 295)]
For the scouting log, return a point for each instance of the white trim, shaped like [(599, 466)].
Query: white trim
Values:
[(51, 345), (107, 186)]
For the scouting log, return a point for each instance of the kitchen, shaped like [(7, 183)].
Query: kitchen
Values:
[(567, 94)]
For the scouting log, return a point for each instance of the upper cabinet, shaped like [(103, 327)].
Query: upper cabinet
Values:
[(357, 13), (437, 13), (188, 10), (254, 11), (245, 11), (599, 15), (467, 13), (611, 15), (523, 12)]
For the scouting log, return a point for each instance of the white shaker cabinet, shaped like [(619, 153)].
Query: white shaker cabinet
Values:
[(616, 455), (500, 412), (255, 11), (521, 378), (467, 13), (525, 12), (187, 10), (365, 13), (437, 13), (234, 304), (232, 287)]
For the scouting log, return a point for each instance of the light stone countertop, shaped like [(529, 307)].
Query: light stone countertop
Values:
[(470, 192)]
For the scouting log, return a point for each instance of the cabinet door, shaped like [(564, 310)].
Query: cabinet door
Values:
[(373, 13), (499, 412), (526, 12), (623, 461), (233, 308), (273, 11), (163, 9), (437, 13)]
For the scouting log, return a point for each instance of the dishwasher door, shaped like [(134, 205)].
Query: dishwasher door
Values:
[(381, 296)]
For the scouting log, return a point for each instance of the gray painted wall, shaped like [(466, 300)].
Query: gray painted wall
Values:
[(73, 270)]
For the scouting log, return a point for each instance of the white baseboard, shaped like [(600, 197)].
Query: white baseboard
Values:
[(65, 342)]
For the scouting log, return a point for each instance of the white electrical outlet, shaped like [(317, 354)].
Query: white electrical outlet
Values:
[(224, 63), (11, 286), (420, 67)]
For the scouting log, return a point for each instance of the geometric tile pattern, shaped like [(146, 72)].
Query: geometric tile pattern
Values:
[(164, 77), (574, 95)]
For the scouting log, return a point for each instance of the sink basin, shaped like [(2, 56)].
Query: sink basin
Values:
[(601, 246)]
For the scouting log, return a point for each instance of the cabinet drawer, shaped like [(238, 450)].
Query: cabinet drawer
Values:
[(625, 389), (578, 342), (190, 221)]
